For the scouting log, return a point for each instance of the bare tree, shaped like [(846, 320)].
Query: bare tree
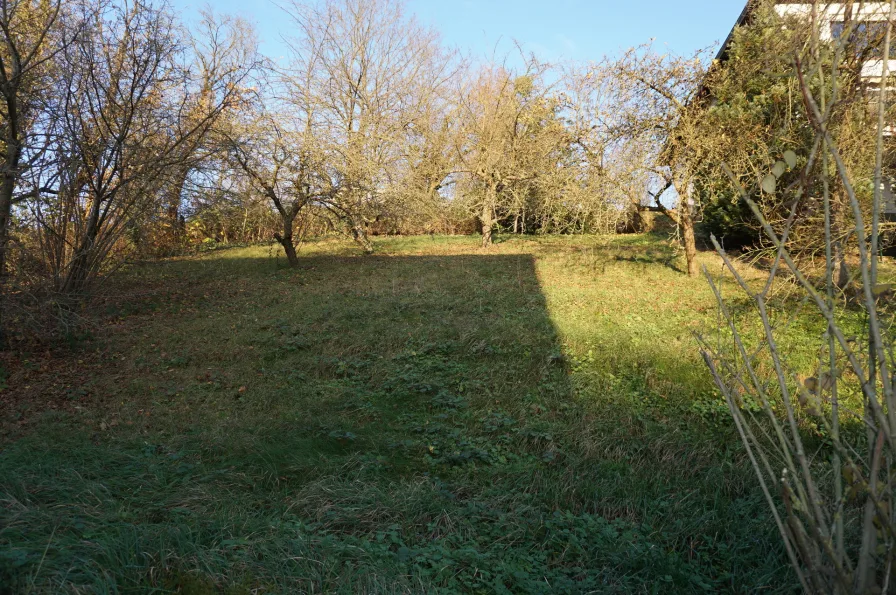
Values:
[(364, 72), (125, 98), (32, 34), (508, 145), (422, 176), (657, 96), (220, 49), (283, 165)]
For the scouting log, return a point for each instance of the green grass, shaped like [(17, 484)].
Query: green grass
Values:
[(534, 418)]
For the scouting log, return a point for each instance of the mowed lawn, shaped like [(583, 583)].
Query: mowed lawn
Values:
[(532, 418)]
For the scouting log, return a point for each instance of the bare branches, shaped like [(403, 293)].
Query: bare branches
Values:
[(655, 96), (130, 117), (848, 397), (362, 75)]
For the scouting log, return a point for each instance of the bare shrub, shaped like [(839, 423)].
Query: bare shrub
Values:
[(818, 415)]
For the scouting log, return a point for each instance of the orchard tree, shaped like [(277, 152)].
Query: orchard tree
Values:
[(659, 105), (363, 72), (423, 175), (283, 165), (221, 51), (509, 144)]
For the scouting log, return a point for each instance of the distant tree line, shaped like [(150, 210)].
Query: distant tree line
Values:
[(126, 134)]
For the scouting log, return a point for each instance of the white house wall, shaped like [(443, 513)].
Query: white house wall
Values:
[(835, 12)]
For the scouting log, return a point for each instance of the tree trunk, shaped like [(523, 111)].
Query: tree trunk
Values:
[(485, 218), (286, 241), (82, 263), (7, 190), (7, 187), (172, 211), (290, 250), (359, 234), (687, 235), (684, 217)]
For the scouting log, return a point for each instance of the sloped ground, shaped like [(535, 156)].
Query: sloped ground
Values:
[(533, 418)]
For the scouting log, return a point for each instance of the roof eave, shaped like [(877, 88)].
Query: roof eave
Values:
[(741, 20)]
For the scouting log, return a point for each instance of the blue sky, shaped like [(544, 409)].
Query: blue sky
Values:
[(552, 29)]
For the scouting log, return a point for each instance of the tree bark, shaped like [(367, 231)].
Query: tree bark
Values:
[(686, 219), (290, 249), (7, 190), (286, 241), (79, 273), (485, 218), (7, 187), (172, 211), (359, 234)]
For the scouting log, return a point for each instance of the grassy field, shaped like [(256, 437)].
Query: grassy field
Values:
[(534, 418)]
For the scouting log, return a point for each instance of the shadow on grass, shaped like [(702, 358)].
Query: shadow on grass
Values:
[(376, 424), (665, 259), (643, 249)]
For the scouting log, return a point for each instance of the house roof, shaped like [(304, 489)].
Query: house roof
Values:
[(741, 20)]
